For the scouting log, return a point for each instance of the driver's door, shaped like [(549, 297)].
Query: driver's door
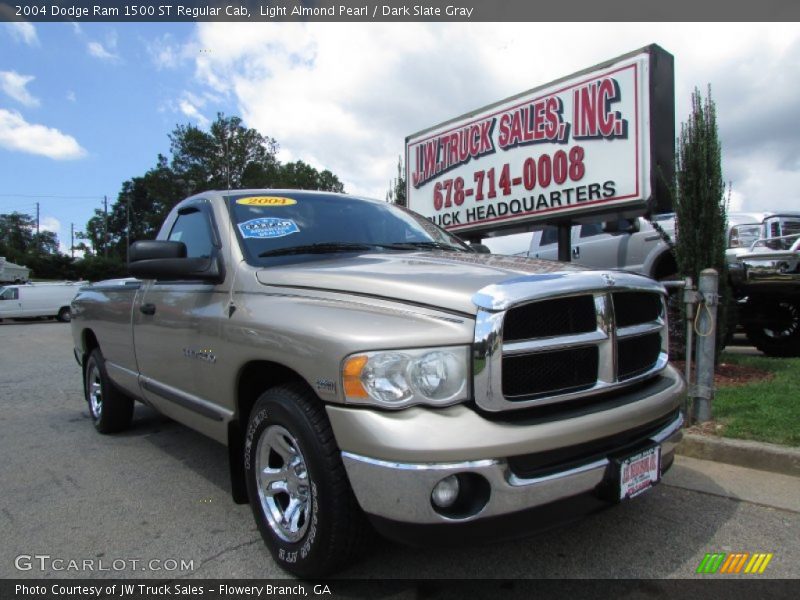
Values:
[(176, 333)]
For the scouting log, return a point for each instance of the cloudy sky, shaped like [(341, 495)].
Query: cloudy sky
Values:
[(85, 107)]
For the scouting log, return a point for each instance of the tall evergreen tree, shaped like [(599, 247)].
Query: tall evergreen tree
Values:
[(397, 191), (700, 203)]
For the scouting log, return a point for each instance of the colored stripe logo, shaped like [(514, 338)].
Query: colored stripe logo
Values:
[(734, 563)]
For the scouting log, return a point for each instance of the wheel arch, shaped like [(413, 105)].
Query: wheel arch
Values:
[(664, 265), (88, 344), (253, 379)]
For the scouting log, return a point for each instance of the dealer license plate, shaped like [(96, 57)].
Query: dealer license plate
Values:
[(638, 473)]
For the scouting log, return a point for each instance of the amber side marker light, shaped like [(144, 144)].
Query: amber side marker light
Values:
[(353, 388)]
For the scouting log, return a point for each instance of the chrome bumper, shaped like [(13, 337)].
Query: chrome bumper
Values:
[(402, 491), (770, 267)]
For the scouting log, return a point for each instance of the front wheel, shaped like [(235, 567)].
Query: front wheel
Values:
[(110, 409), (774, 327), (298, 488), (64, 315)]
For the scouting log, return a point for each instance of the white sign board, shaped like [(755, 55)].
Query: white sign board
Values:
[(580, 145)]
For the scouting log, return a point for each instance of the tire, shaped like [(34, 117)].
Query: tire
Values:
[(774, 328), (64, 315), (298, 488), (110, 409)]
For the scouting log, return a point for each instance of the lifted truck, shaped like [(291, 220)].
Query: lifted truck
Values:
[(763, 259), (764, 266), (365, 368)]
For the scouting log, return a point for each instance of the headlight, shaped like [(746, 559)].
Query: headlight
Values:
[(400, 378)]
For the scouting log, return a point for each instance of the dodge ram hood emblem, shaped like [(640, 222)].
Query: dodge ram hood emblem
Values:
[(609, 280)]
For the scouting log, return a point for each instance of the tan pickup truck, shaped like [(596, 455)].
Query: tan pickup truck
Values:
[(366, 369)]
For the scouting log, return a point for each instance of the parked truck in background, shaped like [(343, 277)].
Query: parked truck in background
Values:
[(366, 369), (763, 259)]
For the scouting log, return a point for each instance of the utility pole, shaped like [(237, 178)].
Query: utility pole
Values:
[(128, 229), (72, 240), (105, 226), (38, 238)]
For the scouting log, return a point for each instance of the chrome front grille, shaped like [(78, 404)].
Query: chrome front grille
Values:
[(541, 340)]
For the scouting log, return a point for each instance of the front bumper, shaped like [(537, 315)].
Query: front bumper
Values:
[(400, 490), (768, 270)]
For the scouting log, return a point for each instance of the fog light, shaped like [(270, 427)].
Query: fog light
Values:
[(445, 493)]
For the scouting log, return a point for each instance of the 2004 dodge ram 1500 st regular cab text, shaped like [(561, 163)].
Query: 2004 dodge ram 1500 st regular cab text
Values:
[(358, 361)]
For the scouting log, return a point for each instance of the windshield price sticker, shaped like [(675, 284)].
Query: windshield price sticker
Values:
[(639, 472), (267, 228)]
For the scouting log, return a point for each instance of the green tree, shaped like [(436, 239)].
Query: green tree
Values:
[(20, 243), (51, 266), (45, 242), (143, 203), (16, 235), (228, 155), (329, 182), (700, 204), (397, 189), (299, 175), (97, 268), (19, 240), (222, 158)]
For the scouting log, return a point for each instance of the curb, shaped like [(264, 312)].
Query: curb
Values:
[(743, 453)]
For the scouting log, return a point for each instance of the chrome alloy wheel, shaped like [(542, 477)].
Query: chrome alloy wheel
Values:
[(95, 391), (283, 485)]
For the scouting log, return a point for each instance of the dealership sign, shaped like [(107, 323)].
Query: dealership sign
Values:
[(576, 147)]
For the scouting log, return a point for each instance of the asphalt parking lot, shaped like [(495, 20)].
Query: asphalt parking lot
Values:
[(157, 497)]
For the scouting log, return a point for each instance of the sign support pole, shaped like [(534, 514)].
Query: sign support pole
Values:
[(564, 241)]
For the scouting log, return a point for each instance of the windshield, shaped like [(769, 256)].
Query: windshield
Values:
[(292, 226)]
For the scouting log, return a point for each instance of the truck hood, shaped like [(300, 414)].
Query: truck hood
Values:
[(445, 280)]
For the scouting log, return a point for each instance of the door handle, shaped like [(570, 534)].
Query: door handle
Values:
[(576, 252), (148, 309)]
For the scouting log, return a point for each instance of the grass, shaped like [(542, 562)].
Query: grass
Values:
[(766, 411)]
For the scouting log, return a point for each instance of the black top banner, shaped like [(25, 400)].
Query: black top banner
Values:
[(259, 11)]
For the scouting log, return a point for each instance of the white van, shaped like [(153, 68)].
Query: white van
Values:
[(37, 300)]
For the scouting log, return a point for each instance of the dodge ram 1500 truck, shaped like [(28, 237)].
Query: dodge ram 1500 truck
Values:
[(367, 369)]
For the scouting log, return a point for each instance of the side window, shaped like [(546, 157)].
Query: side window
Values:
[(549, 235), (193, 229), (590, 229), (10, 294)]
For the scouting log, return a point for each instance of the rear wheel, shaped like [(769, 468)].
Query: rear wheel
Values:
[(774, 327), (110, 409), (298, 488)]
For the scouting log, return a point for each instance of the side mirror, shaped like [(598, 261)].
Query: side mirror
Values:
[(162, 260), (481, 248)]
